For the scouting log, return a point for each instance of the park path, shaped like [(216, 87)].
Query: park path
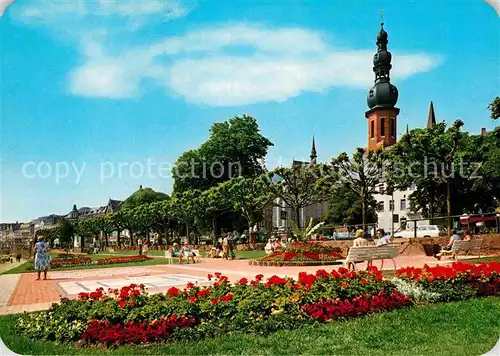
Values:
[(21, 292)]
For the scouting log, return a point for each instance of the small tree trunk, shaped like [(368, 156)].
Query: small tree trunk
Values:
[(131, 236), (187, 233), (214, 229), (106, 239), (251, 233), (297, 216), (118, 238), (448, 205), (363, 213)]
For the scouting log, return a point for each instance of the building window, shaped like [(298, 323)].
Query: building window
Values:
[(413, 186), (393, 127), (395, 218), (382, 126), (403, 204), (391, 205), (372, 128), (380, 206), (403, 223)]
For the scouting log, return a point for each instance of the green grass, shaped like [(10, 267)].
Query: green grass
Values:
[(484, 259), (460, 328), (249, 255), (26, 267)]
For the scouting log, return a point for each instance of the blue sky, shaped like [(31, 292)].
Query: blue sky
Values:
[(107, 82)]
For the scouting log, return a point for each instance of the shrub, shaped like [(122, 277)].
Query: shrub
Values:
[(457, 281), (303, 253), (129, 315)]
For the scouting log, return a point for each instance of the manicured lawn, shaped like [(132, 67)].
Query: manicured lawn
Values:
[(249, 255), (25, 268), (484, 259), (460, 328), (242, 255)]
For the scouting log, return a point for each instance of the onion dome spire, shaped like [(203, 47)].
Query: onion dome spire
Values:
[(383, 94)]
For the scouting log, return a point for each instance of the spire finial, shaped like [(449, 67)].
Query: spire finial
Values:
[(431, 120), (313, 152), (382, 18)]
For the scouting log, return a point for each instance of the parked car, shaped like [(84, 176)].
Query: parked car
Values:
[(422, 231)]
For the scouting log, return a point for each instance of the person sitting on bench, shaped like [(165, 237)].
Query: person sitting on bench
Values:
[(176, 252), (454, 237), (186, 251)]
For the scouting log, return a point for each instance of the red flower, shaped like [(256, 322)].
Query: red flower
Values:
[(259, 277), (83, 295), (204, 293), (226, 298), (321, 273), (190, 285), (132, 304), (243, 281), (210, 277), (122, 304), (173, 291), (193, 299), (287, 256), (218, 274), (363, 280), (214, 301)]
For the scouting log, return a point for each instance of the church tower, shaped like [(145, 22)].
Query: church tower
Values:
[(313, 156), (382, 98)]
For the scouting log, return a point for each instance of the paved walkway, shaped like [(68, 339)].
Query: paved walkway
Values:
[(21, 293)]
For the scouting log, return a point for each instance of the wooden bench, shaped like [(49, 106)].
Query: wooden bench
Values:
[(370, 253), (465, 246), (185, 255)]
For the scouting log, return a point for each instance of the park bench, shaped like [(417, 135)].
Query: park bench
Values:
[(463, 246), (370, 253), (170, 257)]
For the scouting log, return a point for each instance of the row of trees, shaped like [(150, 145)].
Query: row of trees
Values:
[(452, 171)]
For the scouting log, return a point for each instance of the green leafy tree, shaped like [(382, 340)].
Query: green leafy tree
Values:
[(344, 207), (235, 148), (106, 226), (66, 233), (299, 186), (362, 174), (143, 217), (250, 196), (212, 204), (494, 108), (433, 159), (186, 209), (118, 220), (141, 197), (162, 217)]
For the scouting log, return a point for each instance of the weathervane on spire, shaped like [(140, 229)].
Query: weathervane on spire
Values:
[(382, 17)]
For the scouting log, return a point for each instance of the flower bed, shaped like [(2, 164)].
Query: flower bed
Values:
[(301, 254), (130, 316), (87, 261), (457, 281), (258, 306)]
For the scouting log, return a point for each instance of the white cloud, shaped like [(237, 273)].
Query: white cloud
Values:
[(285, 40), (227, 65), (47, 11), (238, 65), (143, 7), (55, 12)]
